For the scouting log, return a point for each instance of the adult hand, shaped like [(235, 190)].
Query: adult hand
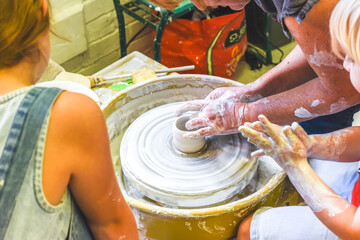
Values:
[(220, 113), (233, 93), (282, 144), (215, 117)]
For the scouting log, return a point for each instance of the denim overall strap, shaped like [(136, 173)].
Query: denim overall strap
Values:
[(19, 147)]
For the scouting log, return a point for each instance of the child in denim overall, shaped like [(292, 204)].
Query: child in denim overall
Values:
[(57, 180)]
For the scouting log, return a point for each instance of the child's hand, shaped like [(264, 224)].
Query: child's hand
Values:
[(257, 126), (282, 144), (297, 129)]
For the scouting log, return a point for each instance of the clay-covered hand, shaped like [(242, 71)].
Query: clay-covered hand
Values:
[(215, 117), (240, 94), (306, 139), (283, 145)]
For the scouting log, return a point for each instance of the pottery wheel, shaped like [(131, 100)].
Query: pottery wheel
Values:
[(153, 166)]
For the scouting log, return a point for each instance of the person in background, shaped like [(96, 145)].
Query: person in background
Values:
[(328, 214), (67, 171), (310, 83)]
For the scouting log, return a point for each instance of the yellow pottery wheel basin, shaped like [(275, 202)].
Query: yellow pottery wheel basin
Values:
[(163, 223)]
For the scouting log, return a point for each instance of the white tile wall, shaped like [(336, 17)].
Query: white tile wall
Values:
[(93, 9), (69, 27), (91, 33)]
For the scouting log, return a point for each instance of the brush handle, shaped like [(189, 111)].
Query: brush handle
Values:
[(95, 81), (99, 80), (175, 69)]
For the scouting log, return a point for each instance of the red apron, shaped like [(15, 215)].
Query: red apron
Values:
[(355, 198)]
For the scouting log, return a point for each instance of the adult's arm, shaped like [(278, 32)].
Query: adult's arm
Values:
[(293, 71), (330, 92)]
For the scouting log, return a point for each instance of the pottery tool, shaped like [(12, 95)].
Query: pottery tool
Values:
[(100, 80)]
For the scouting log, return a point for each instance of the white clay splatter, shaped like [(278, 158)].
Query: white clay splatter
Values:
[(265, 101), (245, 98), (188, 224), (330, 145), (228, 95), (304, 113), (339, 136), (202, 226), (219, 228), (315, 103), (322, 58), (338, 106), (242, 112), (221, 109)]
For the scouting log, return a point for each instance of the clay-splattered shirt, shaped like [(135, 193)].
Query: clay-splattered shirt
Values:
[(278, 9)]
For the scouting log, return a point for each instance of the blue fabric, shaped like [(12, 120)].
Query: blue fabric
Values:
[(79, 229), (330, 123), (279, 9), (289, 223), (18, 149), (299, 222)]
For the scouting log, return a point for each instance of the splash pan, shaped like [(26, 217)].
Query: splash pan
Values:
[(159, 222)]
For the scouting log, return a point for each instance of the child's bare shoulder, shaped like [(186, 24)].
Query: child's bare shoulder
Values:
[(75, 102), (76, 116)]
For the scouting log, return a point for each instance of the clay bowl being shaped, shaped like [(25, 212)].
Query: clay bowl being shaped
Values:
[(163, 222), (183, 144)]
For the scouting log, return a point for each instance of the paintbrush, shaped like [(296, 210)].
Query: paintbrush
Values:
[(100, 80)]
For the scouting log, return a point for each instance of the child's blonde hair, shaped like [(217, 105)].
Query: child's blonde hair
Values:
[(21, 24), (345, 29)]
